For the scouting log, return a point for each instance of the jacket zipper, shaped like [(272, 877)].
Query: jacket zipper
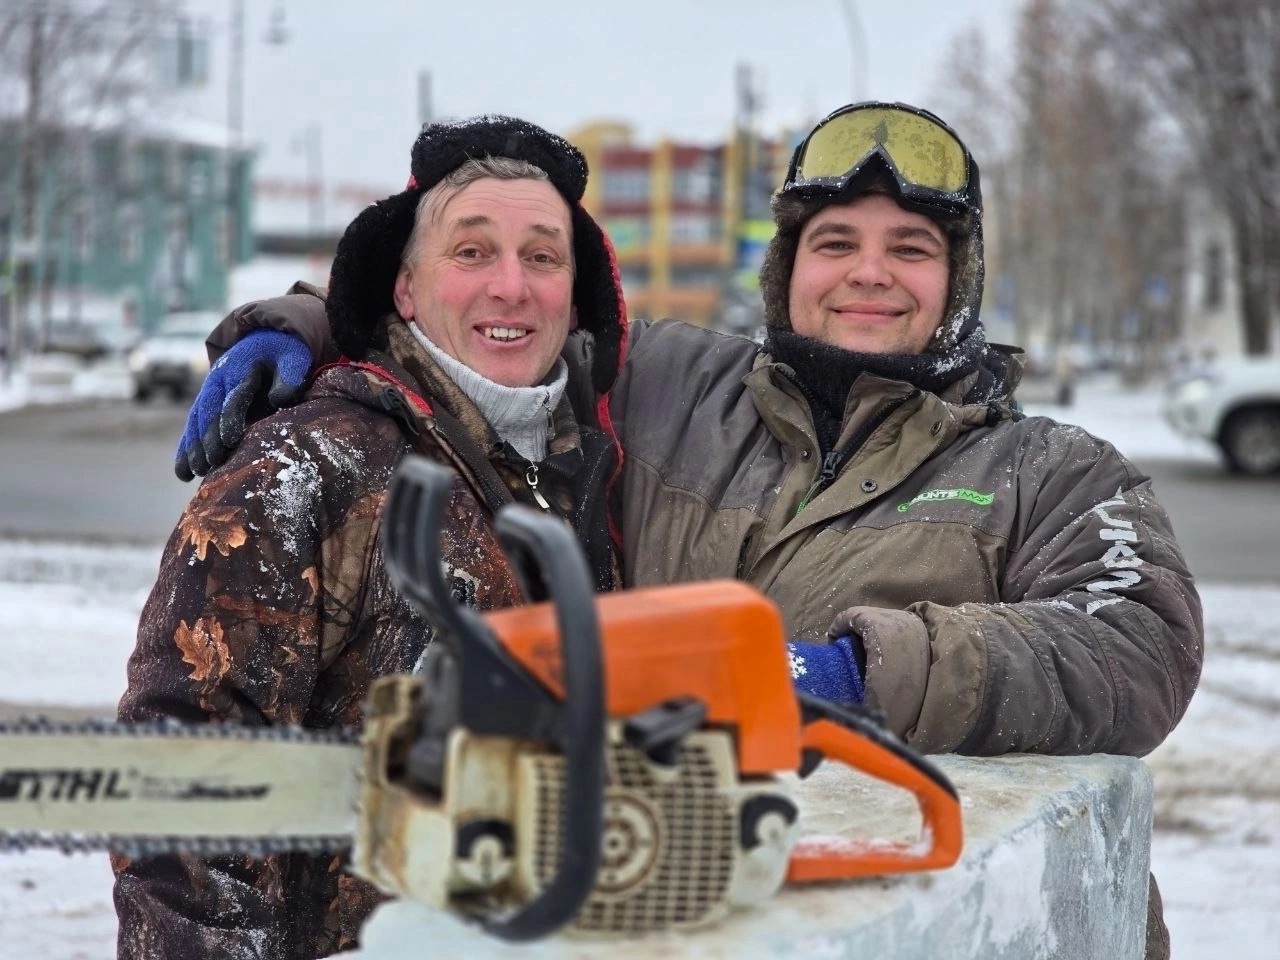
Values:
[(531, 478), (835, 459)]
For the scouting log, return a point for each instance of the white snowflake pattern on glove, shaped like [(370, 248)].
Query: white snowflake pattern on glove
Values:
[(798, 668)]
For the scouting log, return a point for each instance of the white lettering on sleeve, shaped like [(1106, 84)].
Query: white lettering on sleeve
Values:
[(1119, 559)]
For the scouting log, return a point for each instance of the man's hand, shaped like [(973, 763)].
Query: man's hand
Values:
[(830, 671), (266, 362)]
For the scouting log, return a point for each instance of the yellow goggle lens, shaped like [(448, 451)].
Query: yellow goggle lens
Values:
[(924, 154)]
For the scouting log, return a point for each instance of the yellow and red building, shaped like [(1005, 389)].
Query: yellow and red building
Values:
[(678, 215)]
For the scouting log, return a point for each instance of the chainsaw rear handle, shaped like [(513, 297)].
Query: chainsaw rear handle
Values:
[(498, 697), (540, 543), (859, 742), (411, 523)]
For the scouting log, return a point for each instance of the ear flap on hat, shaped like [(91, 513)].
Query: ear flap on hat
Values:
[(363, 276), (597, 293)]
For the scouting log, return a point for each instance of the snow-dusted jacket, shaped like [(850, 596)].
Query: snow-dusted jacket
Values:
[(273, 607), (1015, 582)]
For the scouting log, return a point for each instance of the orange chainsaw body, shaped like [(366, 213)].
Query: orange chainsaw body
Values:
[(722, 642)]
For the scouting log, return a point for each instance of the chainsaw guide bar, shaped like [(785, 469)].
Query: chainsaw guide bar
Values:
[(165, 787)]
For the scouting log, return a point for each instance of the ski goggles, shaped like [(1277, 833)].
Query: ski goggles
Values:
[(927, 159)]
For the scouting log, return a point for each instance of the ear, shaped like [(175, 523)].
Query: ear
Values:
[(402, 295), (573, 317)]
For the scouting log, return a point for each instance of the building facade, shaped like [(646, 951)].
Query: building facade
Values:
[(127, 226), (685, 219)]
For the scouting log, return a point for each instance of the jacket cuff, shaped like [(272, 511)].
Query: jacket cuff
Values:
[(897, 650)]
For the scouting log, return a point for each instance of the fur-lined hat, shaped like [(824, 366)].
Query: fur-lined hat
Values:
[(368, 256)]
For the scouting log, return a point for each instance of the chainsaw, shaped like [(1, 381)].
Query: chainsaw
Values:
[(602, 764)]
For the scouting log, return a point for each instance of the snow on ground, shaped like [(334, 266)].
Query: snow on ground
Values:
[(67, 617), (1129, 419), (55, 378)]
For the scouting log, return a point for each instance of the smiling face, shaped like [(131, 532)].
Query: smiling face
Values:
[(870, 276), (491, 279)]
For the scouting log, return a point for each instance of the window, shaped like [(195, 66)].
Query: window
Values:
[(198, 178), (180, 259), (175, 166), (82, 227), (634, 279), (685, 277), (222, 237), (1213, 276), (130, 233), (626, 186), (695, 228), (221, 167), (130, 163), (628, 233), (696, 184)]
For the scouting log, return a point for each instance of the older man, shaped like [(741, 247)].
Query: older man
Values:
[(452, 301), (993, 583)]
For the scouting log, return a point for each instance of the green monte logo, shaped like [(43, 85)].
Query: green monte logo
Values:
[(952, 493)]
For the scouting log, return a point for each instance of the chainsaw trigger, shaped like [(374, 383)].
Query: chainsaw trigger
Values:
[(658, 731)]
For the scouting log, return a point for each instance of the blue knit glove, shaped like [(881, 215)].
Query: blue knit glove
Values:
[(265, 362), (828, 671)]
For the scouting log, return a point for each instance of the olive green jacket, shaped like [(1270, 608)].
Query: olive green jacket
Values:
[(1015, 582)]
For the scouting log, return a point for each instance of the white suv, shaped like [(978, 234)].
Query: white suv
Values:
[(1237, 406)]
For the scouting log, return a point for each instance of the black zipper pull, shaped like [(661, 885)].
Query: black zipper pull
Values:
[(830, 463), (830, 468)]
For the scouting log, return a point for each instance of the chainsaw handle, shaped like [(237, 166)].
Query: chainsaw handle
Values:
[(537, 543), (860, 743), (411, 523)]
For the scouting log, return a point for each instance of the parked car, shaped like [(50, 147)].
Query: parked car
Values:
[(84, 340), (172, 358), (1235, 405)]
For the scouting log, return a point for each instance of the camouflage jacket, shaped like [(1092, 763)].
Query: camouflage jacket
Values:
[(272, 606)]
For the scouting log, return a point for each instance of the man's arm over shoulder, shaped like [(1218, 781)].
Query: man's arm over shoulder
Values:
[(299, 312)]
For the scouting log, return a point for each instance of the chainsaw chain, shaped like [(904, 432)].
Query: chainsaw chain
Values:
[(137, 847)]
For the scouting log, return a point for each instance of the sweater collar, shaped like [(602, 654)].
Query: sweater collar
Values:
[(521, 416)]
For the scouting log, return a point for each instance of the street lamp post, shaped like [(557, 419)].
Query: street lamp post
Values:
[(277, 35), (310, 142), (857, 49)]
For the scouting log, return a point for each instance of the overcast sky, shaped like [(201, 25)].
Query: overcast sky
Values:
[(666, 66)]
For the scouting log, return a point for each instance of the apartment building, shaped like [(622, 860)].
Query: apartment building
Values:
[(688, 221)]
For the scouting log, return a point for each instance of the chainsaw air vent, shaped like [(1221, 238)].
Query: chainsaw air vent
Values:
[(670, 839)]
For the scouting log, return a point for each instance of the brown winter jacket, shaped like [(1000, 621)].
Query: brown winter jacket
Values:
[(273, 607), (1015, 582)]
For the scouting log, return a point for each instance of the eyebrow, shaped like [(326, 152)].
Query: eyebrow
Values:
[(905, 232), (480, 220), (915, 233)]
